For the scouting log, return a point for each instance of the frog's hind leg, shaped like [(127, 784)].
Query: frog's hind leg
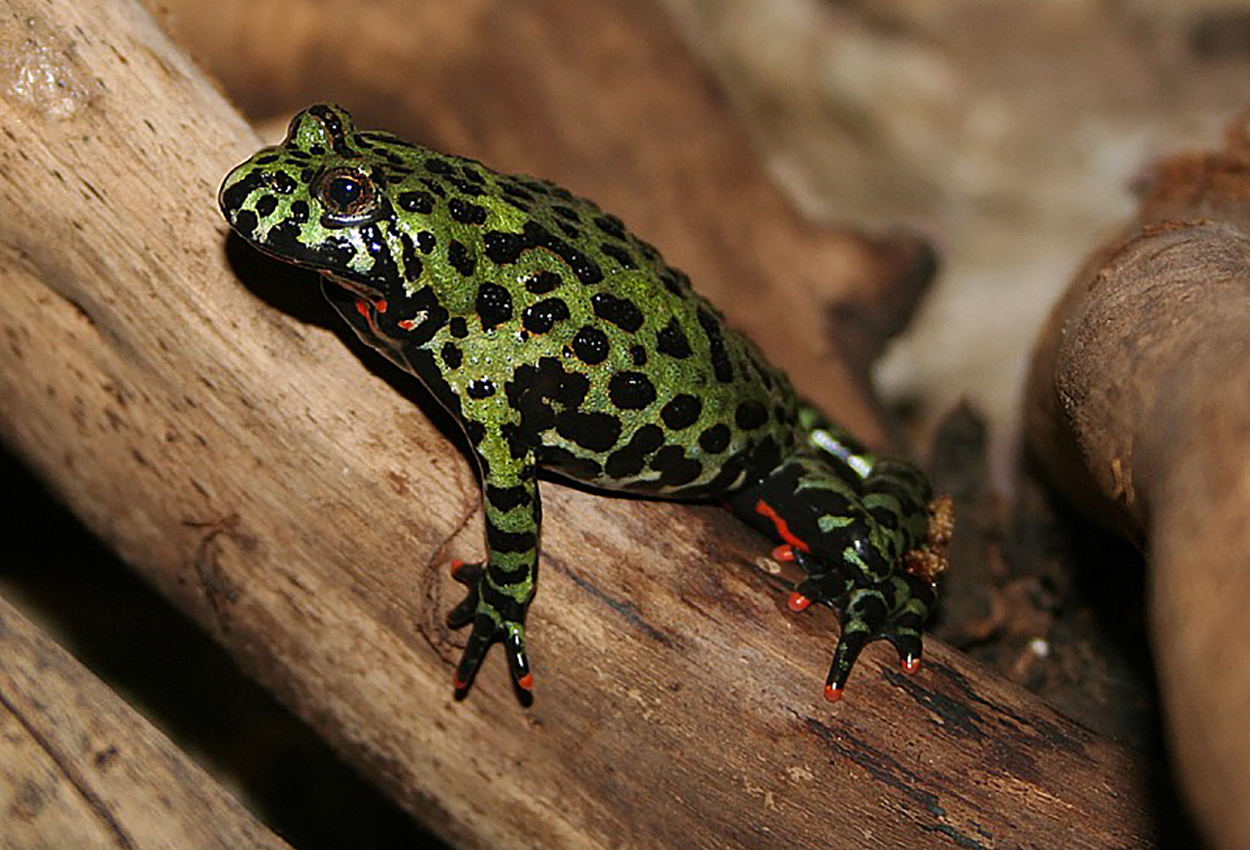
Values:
[(854, 523)]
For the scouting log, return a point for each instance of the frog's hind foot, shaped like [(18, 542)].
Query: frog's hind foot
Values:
[(893, 610), (490, 625), (851, 643)]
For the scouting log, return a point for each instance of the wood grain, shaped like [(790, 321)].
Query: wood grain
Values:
[(80, 768), (272, 482)]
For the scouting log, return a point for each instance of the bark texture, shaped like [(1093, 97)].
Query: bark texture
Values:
[(1139, 406), (79, 768)]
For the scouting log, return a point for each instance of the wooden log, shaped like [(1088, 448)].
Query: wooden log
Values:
[(270, 481), (80, 768), (1139, 406)]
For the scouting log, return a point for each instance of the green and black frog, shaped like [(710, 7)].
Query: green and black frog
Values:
[(558, 339)]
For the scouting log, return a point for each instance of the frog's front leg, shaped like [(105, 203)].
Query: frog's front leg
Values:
[(501, 587)]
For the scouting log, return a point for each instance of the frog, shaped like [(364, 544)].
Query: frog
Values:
[(561, 341)]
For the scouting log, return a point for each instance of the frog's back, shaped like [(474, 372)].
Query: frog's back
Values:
[(630, 377)]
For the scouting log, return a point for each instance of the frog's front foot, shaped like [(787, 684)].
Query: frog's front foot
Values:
[(492, 622), (894, 609)]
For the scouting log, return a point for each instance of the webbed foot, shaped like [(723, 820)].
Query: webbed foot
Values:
[(493, 621)]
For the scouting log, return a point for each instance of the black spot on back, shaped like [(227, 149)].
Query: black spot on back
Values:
[(611, 225), (671, 340), (591, 345), (619, 254), (715, 439), (452, 356), (630, 459), (465, 212), (417, 202), (481, 388), (493, 305), (504, 248), (750, 415), (631, 390), (596, 432), (460, 258), (619, 311), (541, 317), (674, 467), (540, 283), (721, 365), (682, 412), (266, 205)]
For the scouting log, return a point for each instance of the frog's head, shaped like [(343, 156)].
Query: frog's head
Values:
[(318, 200)]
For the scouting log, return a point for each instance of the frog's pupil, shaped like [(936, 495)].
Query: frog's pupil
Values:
[(344, 192)]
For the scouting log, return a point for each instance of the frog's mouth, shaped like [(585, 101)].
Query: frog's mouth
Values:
[(355, 287)]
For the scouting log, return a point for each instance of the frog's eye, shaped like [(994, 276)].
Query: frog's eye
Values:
[(346, 193)]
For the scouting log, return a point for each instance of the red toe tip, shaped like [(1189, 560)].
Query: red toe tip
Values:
[(784, 553), (833, 693), (910, 664), (798, 602)]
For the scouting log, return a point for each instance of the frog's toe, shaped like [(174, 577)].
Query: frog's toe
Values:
[(821, 587), (483, 635), (490, 626), (470, 575), (906, 626), (518, 661), (850, 644)]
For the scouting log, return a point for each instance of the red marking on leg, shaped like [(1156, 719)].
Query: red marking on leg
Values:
[(784, 553), (456, 564), (407, 324), (363, 308), (833, 693), (798, 603), (910, 664), (381, 306), (783, 528), (526, 682), (458, 683)]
